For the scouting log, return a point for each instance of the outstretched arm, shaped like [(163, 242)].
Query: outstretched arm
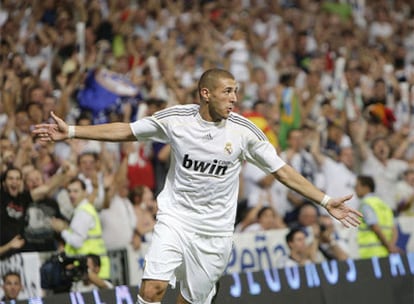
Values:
[(335, 206), (105, 132)]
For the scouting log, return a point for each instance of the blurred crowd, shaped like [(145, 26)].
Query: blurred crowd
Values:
[(331, 84)]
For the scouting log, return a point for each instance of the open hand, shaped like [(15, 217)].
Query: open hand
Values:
[(52, 132), (348, 216)]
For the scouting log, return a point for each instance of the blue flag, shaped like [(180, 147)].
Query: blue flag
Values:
[(104, 92)]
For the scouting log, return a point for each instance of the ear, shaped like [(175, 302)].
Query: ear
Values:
[(204, 92)]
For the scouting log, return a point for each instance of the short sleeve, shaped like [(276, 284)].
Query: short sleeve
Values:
[(149, 128)]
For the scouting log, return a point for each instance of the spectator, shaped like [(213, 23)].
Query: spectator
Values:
[(322, 238), (12, 285), (288, 107), (161, 151), (261, 189), (238, 54), (377, 234), (145, 209), (258, 88), (15, 202), (381, 28), (378, 162), (349, 96), (93, 177), (15, 243), (336, 139), (116, 233), (267, 219), (257, 116), (84, 234), (140, 166), (298, 250), (308, 216), (327, 244), (38, 232), (299, 158), (338, 169), (405, 193), (7, 153), (91, 279)]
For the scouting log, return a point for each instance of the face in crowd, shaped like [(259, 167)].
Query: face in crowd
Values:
[(12, 286), (77, 191)]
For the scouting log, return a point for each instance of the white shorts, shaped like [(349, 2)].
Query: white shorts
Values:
[(196, 261)]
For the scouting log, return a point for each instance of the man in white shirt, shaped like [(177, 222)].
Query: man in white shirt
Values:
[(192, 239)]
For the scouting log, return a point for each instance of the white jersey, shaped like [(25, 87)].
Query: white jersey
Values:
[(200, 192)]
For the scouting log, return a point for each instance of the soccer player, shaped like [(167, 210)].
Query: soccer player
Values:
[(192, 238)]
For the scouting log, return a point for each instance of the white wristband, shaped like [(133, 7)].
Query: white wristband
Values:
[(71, 131), (325, 200)]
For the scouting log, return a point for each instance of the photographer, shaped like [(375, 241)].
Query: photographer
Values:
[(327, 245), (90, 279), (322, 238)]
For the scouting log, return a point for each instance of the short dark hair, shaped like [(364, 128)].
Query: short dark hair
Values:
[(209, 78), (291, 234), (11, 273), (158, 102), (96, 260), (136, 191), (78, 180), (367, 181), (93, 154), (11, 168), (84, 115), (377, 140)]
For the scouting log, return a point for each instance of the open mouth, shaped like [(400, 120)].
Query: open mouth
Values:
[(13, 189)]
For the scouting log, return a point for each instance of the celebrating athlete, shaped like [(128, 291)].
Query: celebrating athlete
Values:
[(192, 238)]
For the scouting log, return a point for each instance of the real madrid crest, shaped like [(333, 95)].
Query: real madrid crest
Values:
[(228, 148)]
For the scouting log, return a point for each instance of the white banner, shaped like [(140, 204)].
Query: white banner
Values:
[(406, 233), (257, 251)]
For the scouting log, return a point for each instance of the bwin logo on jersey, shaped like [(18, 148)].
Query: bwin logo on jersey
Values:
[(204, 167)]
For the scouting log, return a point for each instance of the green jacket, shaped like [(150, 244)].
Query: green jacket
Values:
[(369, 243), (94, 243)]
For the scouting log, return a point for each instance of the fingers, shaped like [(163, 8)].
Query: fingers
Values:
[(42, 133), (351, 220), (356, 212), (56, 118), (41, 128), (346, 198), (345, 223)]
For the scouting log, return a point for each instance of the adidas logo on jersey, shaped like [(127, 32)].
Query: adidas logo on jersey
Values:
[(214, 168), (207, 137)]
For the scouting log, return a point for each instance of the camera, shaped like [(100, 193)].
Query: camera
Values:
[(60, 271)]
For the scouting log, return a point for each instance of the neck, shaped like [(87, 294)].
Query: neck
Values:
[(296, 256), (204, 112)]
